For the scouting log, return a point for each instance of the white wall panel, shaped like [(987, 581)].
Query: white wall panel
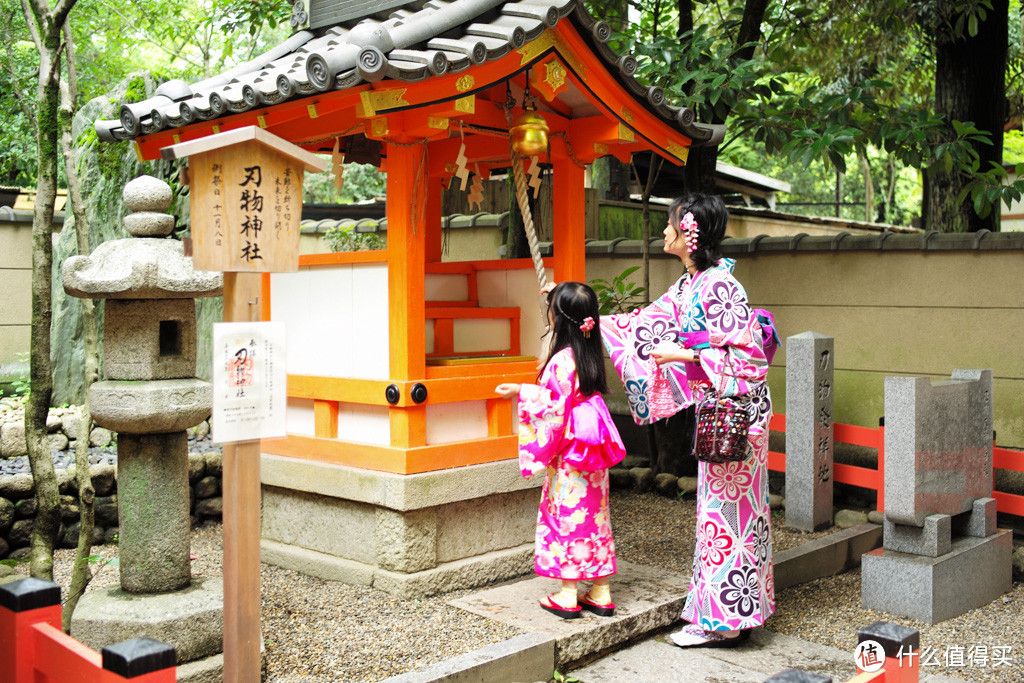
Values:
[(480, 334), (365, 424), (299, 417), (447, 422), (446, 287), (369, 353)]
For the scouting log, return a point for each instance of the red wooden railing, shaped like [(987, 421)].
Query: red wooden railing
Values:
[(865, 477), (33, 649)]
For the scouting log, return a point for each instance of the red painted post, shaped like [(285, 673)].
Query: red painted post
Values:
[(23, 604)]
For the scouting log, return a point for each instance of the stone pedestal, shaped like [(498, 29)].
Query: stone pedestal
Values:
[(972, 574), (154, 520), (411, 535)]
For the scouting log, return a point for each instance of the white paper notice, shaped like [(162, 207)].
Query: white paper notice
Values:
[(249, 381)]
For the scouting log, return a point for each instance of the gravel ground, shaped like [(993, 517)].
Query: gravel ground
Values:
[(318, 631)]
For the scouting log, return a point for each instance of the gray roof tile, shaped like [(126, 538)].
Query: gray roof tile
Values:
[(411, 45)]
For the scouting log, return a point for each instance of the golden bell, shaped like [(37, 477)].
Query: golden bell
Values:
[(529, 134)]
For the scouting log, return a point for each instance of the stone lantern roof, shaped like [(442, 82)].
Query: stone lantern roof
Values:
[(146, 265), (352, 42)]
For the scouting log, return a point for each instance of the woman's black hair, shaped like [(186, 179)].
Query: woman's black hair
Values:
[(570, 304), (712, 218)]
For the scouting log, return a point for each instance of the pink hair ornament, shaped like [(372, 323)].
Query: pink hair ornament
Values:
[(690, 230), (587, 326)]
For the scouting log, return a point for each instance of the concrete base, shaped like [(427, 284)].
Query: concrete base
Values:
[(826, 556), (648, 598), (476, 571), (211, 669), (411, 535), (191, 620), (974, 573), (529, 657)]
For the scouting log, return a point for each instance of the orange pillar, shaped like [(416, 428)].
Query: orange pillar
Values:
[(570, 220), (407, 211)]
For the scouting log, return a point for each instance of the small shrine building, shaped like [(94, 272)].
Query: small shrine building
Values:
[(400, 466)]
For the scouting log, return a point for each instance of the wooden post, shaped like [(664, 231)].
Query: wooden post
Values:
[(569, 220), (241, 528)]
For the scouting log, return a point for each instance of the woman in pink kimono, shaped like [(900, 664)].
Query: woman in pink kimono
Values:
[(702, 337), (565, 429)]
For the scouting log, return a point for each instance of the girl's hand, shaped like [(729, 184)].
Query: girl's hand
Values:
[(667, 352), (548, 288), (507, 390)]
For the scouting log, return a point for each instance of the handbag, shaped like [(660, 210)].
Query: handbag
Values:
[(722, 424), (659, 393)]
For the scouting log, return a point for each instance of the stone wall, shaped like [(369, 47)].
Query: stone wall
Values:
[(17, 491)]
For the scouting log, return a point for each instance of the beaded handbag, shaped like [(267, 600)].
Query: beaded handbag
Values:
[(722, 424)]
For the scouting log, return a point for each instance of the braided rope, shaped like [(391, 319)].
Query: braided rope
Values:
[(522, 196)]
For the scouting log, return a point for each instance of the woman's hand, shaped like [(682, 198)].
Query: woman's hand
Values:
[(507, 390), (667, 352)]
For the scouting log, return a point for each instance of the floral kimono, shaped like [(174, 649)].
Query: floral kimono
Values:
[(574, 439), (732, 586)]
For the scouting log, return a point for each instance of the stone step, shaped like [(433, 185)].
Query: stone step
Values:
[(648, 599)]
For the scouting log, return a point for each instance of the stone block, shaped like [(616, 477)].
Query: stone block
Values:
[(666, 484), (190, 620), (687, 485), (146, 194), (21, 533), (938, 445), (6, 516), (406, 541), (153, 520), (26, 508), (825, 556), (105, 510), (4, 549), (103, 477), (196, 467), (631, 461), (53, 422), (71, 424), (979, 522), (17, 486), (810, 446), (12, 439), (145, 407), (618, 478), (320, 523), (149, 339), (643, 478), (69, 510), (931, 540), (975, 572), (211, 508), (66, 484), (528, 657), (56, 442), (100, 437), (472, 527), (214, 463), (207, 487)]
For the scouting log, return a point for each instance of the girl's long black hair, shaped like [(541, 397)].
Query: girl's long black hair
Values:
[(569, 305)]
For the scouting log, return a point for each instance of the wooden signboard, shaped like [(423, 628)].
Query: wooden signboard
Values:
[(246, 200), (246, 203)]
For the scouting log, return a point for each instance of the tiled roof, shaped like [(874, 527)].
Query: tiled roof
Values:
[(415, 42), (458, 220)]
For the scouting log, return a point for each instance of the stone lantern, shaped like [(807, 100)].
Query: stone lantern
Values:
[(149, 395)]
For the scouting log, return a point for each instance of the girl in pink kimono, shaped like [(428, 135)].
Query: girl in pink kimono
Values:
[(566, 431), (703, 337)]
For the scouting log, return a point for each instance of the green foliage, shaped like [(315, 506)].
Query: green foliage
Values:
[(362, 182), (341, 238), (22, 385), (559, 677), (620, 295)]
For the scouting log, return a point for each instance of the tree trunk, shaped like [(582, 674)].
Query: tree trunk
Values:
[(45, 27), (82, 573), (685, 10), (969, 86)]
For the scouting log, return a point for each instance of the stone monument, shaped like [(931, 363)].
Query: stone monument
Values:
[(941, 553), (150, 396), (809, 443)]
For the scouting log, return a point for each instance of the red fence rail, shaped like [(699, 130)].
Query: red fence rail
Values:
[(866, 477), (33, 649)]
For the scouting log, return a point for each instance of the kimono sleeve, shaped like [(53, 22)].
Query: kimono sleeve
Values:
[(542, 414), (735, 359)]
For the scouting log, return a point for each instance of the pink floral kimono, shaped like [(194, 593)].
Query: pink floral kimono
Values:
[(732, 585), (574, 439)]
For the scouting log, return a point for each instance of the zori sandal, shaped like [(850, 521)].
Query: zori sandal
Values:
[(548, 604), (606, 609)]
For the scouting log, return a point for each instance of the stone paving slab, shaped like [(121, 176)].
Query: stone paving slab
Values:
[(766, 653), (647, 599)]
